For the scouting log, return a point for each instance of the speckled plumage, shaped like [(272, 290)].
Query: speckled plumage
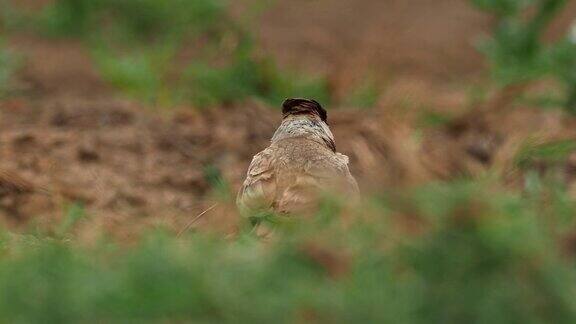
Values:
[(300, 163)]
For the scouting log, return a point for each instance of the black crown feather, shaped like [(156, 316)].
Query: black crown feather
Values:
[(299, 105)]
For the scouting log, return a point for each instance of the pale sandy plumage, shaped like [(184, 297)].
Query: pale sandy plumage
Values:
[(300, 163)]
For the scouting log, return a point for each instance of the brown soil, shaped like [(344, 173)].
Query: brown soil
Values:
[(432, 40), (136, 168)]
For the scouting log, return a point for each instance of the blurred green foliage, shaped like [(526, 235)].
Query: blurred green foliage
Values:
[(248, 76), (7, 15), (365, 95), (550, 153), (481, 255), (517, 51), (141, 19), (175, 51), (8, 63), (73, 214)]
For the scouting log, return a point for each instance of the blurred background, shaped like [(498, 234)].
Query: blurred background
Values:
[(141, 114)]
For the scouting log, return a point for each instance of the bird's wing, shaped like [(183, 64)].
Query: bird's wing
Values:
[(332, 172), (351, 185), (325, 173), (258, 191)]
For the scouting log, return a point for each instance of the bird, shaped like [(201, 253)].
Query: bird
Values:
[(300, 164)]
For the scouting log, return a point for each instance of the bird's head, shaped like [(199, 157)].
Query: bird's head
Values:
[(304, 118), (299, 106)]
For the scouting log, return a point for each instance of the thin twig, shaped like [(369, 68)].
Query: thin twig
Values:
[(195, 219)]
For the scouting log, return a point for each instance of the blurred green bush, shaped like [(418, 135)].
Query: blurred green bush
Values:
[(142, 19), (175, 51), (517, 52), (443, 253), (8, 64)]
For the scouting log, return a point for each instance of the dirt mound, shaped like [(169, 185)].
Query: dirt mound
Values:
[(136, 168)]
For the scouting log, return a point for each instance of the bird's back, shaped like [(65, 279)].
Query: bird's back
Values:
[(289, 175)]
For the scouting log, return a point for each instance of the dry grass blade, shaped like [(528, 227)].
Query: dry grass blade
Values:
[(195, 219)]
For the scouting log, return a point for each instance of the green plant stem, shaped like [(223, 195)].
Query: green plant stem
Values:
[(571, 102), (547, 10)]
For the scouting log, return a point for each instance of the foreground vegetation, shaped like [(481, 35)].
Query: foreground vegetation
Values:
[(441, 253)]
